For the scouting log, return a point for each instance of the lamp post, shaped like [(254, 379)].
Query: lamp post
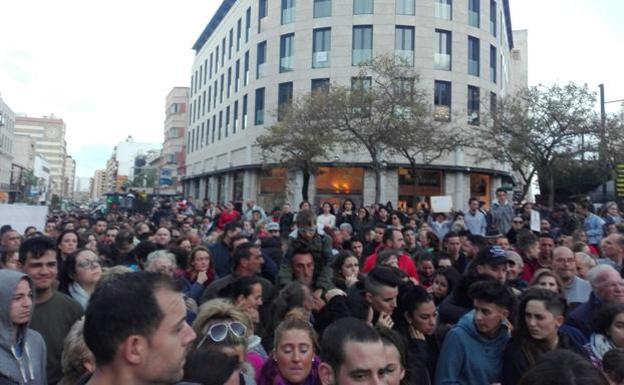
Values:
[(603, 145)]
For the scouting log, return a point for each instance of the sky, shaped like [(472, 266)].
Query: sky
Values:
[(105, 67)]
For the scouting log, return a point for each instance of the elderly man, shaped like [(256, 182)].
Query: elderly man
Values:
[(613, 251), (607, 286), (577, 290)]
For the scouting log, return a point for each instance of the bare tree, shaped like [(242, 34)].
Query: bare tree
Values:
[(367, 115), (299, 140), (533, 128)]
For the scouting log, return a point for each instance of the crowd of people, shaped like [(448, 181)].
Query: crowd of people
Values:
[(330, 295)]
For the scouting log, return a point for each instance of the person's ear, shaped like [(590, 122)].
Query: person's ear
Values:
[(326, 374), (369, 297), (480, 269), (134, 349), (505, 313), (559, 320)]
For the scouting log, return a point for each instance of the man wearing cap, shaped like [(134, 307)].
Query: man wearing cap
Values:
[(492, 261)]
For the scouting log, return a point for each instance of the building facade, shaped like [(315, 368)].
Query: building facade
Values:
[(70, 177), (7, 127), (120, 166), (97, 185), (255, 55), (49, 136), (171, 164)]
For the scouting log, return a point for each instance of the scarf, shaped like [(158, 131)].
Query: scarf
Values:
[(600, 345), (79, 294)]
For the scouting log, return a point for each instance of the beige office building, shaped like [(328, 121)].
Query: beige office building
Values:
[(171, 165), (254, 55), (49, 135), (98, 184), (7, 124), (70, 177)]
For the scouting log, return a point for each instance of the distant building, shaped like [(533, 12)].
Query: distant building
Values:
[(70, 176), (7, 127), (171, 164), (120, 166), (97, 186), (41, 170), (49, 135)]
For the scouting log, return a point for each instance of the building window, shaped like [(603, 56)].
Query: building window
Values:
[(442, 101), (230, 43), (322, 8), (227, 121), (239, 26), (262, 9), (210, 70), (493, 17), (247, 24), (359, 91), (320, 85), (221, 88), (288, 11), (362, 7), (321, 47), (284, 99), (217, 59), (473, 56), (214, 128), (244, 120), (203, 99), (473, 12), (246, 69), (235, 118), (223, 52), (493, 104), (220, 125), (229, 81), (404, 44), (209, 97), (259, 110), (442, 57), (362, 44), (261, 60), (214, 99), (405, 7), (201, 140), (444, 9), (236, 75), (207, 131), (493, 63), (287, 52), (473, 105)]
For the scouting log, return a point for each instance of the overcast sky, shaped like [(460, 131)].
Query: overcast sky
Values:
[(106, 67)]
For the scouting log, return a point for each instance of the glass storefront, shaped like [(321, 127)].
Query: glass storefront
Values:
[(335, 184), (430, 184)]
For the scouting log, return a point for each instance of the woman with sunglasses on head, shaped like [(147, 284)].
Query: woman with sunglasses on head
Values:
[(222, 326), (293, 360), (79, 275)]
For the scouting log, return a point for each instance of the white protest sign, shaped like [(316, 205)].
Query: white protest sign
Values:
[(535, 221), (22, 216), (441, 204)]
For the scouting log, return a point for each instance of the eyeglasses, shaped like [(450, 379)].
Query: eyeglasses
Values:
[(307, 229), (217, 332), (88, 264), (518, 222)]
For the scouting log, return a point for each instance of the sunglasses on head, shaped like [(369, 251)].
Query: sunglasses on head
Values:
[(217, 332)]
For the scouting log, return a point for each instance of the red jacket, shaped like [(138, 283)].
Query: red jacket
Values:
[(226, 217), (405, 263)]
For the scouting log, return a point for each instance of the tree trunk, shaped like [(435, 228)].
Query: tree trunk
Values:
[(378, 184), (305, 185), (415, 183), (551, 187)]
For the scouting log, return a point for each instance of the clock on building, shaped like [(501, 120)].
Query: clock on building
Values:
[(51, 132)]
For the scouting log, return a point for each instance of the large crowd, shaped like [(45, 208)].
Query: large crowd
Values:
[(200, 293)]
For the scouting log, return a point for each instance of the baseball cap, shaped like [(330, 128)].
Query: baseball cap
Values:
[(491, 255), (272, 226)]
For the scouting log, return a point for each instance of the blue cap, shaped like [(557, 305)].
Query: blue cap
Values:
[(491, 255)]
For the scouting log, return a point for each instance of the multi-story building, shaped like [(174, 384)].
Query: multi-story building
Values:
[(70, 177), (97, 186), (171, 164), (255, 55), (49, 135), (120, 166), (7, 127), (41, 171)]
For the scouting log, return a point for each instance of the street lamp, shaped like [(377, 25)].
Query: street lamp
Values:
[(603, 129)]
